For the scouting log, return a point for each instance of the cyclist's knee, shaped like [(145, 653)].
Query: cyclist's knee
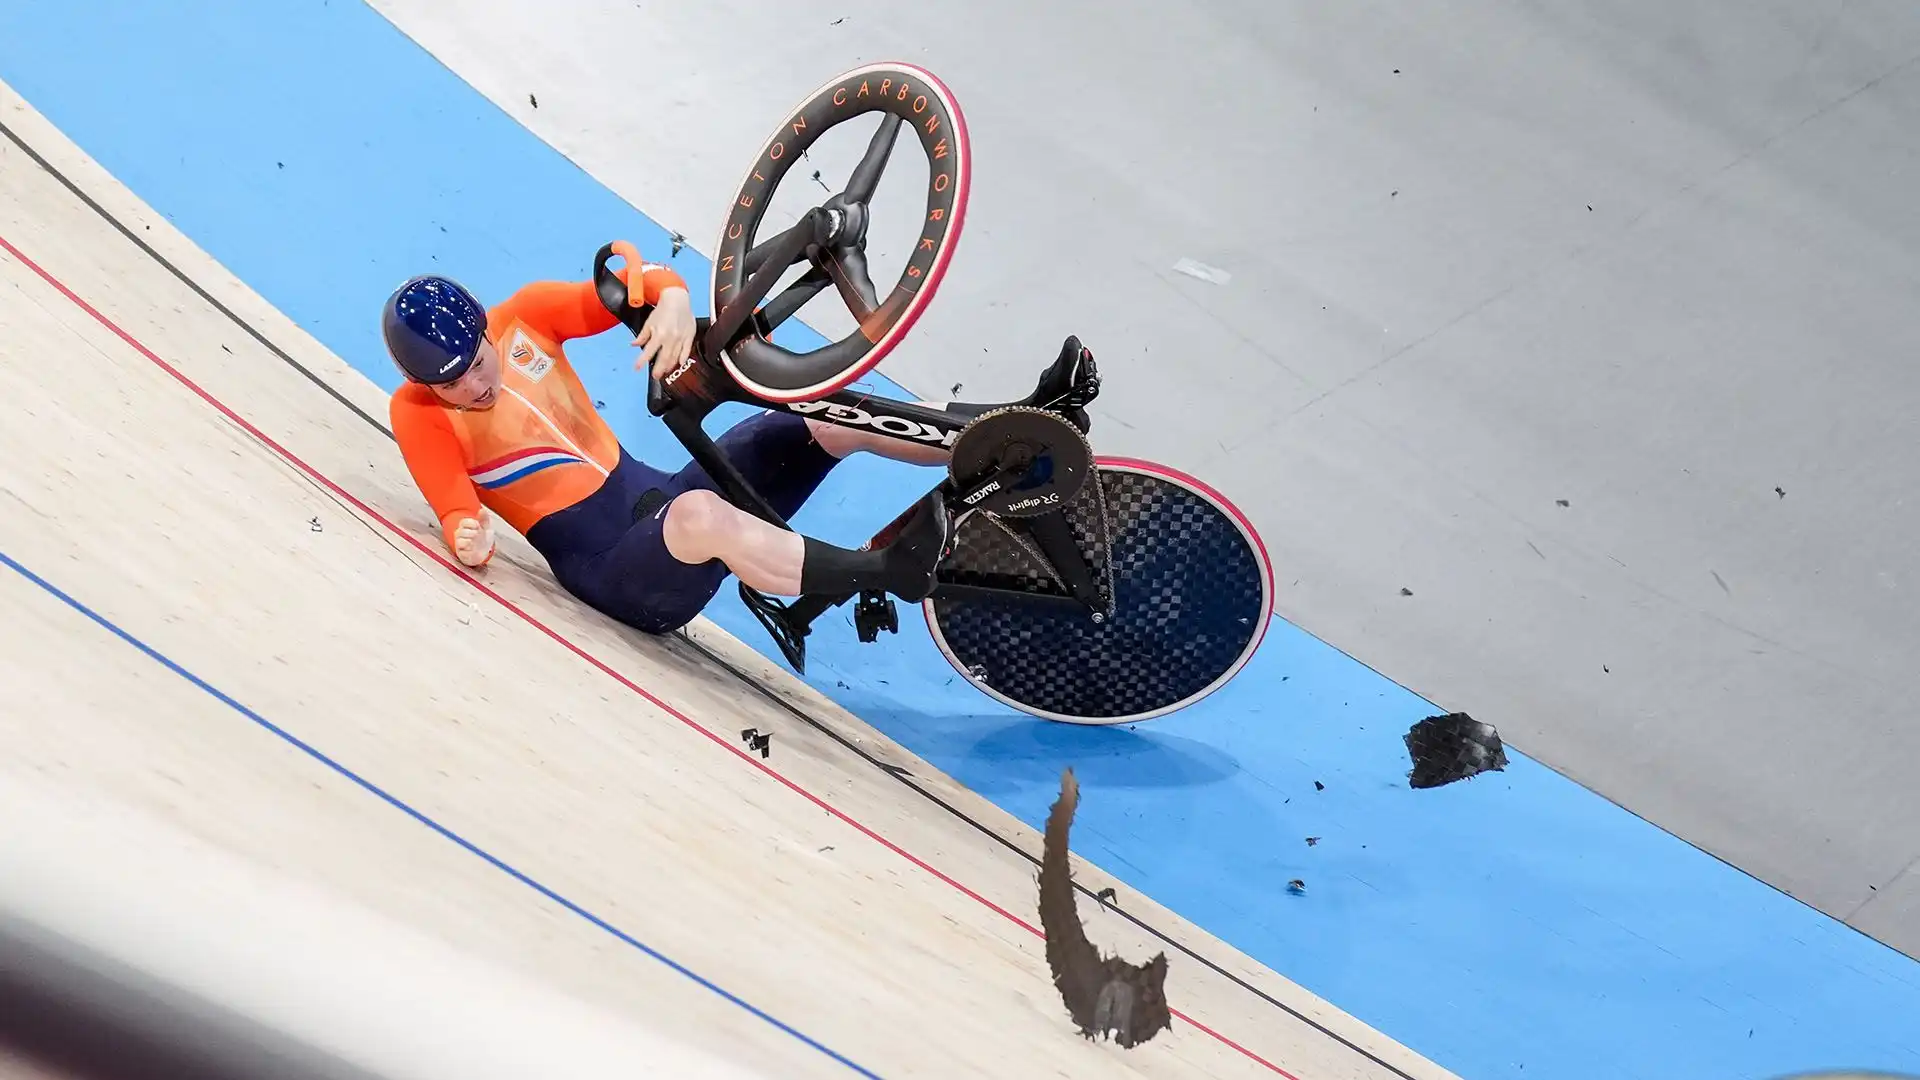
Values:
[(697, 525), (836, 439)]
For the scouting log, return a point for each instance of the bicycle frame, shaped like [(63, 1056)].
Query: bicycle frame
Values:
[(685, 398), (689, 394)]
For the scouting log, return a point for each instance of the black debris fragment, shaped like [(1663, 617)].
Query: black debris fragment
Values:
[(1318, 786), (1313, 841), (1296, 887), (838, 21), (679, 241), (1108, 896), (1780, 492), (758, 740), (533, 101), (226, 350), (314, 522), (1561, 502), (1406, 592), (1452, 747)]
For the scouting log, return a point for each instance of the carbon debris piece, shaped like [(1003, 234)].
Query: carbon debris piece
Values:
[(1452, 747), (758, 740), (1105, 995)]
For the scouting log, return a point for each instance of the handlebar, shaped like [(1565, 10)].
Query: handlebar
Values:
[(615, 297)]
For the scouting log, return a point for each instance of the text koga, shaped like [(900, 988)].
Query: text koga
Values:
[(892, 425)]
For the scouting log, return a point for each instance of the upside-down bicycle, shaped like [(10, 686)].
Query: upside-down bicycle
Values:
[(1084, 589)]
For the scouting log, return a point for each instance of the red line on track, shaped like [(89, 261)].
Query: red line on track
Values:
[(328, 483)]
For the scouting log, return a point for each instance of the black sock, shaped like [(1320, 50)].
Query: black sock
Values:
[(832, 570)]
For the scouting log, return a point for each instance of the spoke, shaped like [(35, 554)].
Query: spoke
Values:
[(791, 299), (757, 255), (784, 250), (866, 175), (848, 268)]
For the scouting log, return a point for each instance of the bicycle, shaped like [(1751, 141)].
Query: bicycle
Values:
[(1076, 588)]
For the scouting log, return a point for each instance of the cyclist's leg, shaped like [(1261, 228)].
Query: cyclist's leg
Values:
[(1066, 385), (669, 563), (677, 552), (785, 459), (782, 455), (606, 552), (843, 442), (700, 528)]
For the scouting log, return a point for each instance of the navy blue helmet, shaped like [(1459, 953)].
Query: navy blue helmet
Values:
[(433, 327)]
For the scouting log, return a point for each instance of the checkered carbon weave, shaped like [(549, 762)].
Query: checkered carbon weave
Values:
[(1187, 601)]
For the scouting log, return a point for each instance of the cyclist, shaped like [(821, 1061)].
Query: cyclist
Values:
[(494, 423)]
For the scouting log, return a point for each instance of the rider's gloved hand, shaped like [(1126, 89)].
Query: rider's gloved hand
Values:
[(667, 337), (473, 539)]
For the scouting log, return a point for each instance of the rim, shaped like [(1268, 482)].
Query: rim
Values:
[(963, 184)]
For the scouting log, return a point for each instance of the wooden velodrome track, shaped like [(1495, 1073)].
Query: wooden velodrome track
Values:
[(228, 619)]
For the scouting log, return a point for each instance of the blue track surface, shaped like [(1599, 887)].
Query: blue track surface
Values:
[(1514, 927)]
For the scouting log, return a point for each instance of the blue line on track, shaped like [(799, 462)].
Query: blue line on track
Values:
[(391, 800)]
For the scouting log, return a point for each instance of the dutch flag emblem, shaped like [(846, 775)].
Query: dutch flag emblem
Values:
[(500, 472)]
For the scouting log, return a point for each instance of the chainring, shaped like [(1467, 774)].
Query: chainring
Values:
[(1049, 459)]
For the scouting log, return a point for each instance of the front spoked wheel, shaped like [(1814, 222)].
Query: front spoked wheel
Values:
[(831, 238), (1189, 594)]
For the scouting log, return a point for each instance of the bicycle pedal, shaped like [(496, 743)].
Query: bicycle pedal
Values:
[(874, 612), (773, 618)]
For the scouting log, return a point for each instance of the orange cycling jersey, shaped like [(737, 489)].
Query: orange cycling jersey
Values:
[(543, 446)]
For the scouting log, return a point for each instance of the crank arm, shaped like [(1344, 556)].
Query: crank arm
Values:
[(970, 497)]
